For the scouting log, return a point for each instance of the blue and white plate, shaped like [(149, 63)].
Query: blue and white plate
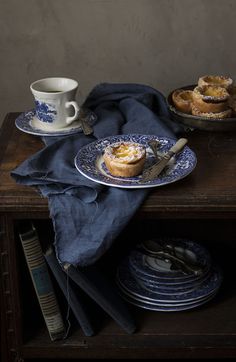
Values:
[(168, 288), (164, 303), (152, 268), (134, 289), (165, 308), (28, 123), (89, 162)]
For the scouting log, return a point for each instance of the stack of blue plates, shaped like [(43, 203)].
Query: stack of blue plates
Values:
[(168, 275)]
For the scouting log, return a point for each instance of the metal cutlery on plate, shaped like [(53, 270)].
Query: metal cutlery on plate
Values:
[(168, 252), (162, 159)]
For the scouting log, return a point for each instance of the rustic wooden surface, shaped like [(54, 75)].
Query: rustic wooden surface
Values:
[(207, 197), (210, 188)]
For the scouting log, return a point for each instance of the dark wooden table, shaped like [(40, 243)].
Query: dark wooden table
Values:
[(202, 205)]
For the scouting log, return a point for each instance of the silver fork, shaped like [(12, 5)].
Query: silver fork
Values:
[(168, 252), (154, 145)]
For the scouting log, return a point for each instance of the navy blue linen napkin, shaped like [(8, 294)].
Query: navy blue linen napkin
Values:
[(87, 216)]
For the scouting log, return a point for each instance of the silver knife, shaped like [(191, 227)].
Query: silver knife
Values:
[(153, 171)]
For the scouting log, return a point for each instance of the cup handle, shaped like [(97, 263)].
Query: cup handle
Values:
[(74, 104)]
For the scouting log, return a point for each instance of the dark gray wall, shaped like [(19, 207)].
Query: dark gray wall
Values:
[(163, 43)]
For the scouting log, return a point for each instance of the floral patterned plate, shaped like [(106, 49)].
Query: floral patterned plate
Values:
[(132, 287), (89, 162), (28, 123), (151, 269)]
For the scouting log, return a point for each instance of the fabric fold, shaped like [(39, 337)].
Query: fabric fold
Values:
[(87, 216)]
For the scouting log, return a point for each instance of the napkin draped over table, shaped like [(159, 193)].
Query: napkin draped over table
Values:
[(87, 217)]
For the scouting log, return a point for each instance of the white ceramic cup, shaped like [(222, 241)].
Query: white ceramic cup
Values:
[(55, 105)]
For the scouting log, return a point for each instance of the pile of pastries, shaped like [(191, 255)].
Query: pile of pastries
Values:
[(213, 97)]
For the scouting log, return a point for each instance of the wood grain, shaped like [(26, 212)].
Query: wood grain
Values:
[(207, 196), (210, 188)]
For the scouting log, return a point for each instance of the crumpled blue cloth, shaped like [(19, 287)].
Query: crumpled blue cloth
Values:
[(87, 216)]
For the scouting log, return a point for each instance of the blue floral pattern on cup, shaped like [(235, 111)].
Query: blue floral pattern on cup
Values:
[(45, 112)]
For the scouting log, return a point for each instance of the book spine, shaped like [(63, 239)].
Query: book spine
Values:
[(42, 284), (74, 303), (97, 287)]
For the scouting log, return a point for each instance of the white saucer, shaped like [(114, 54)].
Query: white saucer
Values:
[(28, 123)]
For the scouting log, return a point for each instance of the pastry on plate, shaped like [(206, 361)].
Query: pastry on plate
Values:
[(211, 93), (182, 100), (218, 80), (125, 159), (225, 114), (210, 99)]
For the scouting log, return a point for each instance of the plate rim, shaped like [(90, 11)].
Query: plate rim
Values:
[(164, 303), (159, 308), (186, 297)]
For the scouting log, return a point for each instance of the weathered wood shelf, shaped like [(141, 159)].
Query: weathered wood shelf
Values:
[(201, 206)]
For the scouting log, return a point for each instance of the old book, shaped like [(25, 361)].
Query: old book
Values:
[(76, 305), (42, 282), (94, 283)]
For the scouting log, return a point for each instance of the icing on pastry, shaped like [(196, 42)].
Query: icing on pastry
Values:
[(124, 159), (211, 93), (208, 107), (217, 80)]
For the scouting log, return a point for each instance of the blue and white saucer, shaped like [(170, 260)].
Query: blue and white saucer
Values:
[(28, 123), (89, 162)]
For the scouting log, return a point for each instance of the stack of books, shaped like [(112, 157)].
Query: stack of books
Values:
[(46, 271)]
